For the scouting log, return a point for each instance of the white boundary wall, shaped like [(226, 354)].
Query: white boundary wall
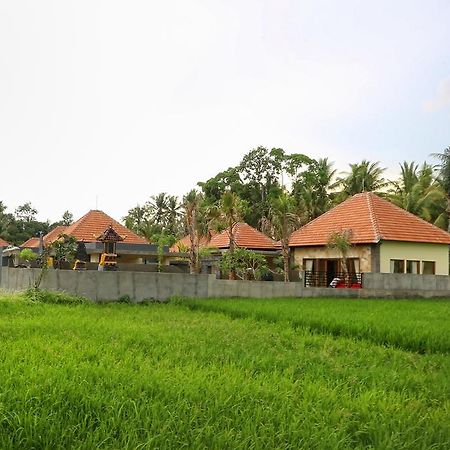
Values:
[(139, 286)]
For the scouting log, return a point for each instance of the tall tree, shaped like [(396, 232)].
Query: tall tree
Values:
[(341, 241), (419, 193), (226, 215), (26, 212), (313, 188), (365, 176), (192, 210), (282, 221), (444, 177)]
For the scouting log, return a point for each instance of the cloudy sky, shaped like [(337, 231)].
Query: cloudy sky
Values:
[(106, 102)]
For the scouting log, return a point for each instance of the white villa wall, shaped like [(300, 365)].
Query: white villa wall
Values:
[(416, 252)]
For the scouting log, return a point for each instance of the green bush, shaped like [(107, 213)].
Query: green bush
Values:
[(60, 298)]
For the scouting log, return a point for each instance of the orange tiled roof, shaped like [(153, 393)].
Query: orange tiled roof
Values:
[(50, 237), (33, 242), (94, 223), (3, 243), (371, 219), (185, 242), (246, 237)]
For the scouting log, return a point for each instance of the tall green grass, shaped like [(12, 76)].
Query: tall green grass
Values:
[(162, 376), (417, 325)]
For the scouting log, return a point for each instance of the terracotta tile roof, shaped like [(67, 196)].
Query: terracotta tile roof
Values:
[(94, 223), (53, 235), (3, 243), (50, 237), (185, 242), (33, 242), (371, 219), (246, 237)]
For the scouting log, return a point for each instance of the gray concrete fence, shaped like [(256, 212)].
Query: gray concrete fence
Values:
[(139, 286)]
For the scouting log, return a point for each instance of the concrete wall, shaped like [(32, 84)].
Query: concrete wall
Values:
[(104, 286), (414, 251)]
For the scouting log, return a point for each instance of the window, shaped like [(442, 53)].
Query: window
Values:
[(412, 266), (397, 266), (308, 264), (428, 267)]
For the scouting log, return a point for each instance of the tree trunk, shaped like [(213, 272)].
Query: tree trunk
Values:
[(285, 250), (232, 273)]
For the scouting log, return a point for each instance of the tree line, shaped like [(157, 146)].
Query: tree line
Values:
[(277, 192), (274, 191)]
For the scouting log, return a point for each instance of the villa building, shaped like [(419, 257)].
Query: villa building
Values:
[(384, 238)]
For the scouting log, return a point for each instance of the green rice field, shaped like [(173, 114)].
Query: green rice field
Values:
[(225, 374)]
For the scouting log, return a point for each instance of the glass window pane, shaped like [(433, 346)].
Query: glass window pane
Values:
[(428, 267), (397, 266), (412, 267)]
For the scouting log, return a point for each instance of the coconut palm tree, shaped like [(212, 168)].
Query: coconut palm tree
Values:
[(313, 188), (365, 176), (341, 241), (192, 209), (444, 177), (226, 215), (419, 193), (282, 221)]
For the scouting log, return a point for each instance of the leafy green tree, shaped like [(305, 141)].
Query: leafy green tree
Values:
[(282, 221), (245, 264), (25, 212), (28, 255), (260, 176), (64, 249), (162, 240), (313, 188)]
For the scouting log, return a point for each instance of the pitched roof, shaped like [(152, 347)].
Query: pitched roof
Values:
[(94, 223), (185, 242), (246, 237), (110, 235), (3, 243), (33, 242), (371, 219), (50, 237)]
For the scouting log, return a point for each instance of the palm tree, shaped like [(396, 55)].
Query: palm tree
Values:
[(417, 192), (313, 187), (362, 177), (283, 220), (444, 177), (226, 215), (341, 241), (191, 204)]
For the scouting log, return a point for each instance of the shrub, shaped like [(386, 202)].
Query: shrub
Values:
[(60, 298)]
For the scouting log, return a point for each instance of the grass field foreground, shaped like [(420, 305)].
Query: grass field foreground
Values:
[(169, 376)]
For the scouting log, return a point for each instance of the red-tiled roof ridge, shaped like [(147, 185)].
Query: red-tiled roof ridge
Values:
[(371, 219), (95, 222)]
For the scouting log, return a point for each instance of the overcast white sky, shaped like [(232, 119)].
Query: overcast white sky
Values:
[(120, 100)]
